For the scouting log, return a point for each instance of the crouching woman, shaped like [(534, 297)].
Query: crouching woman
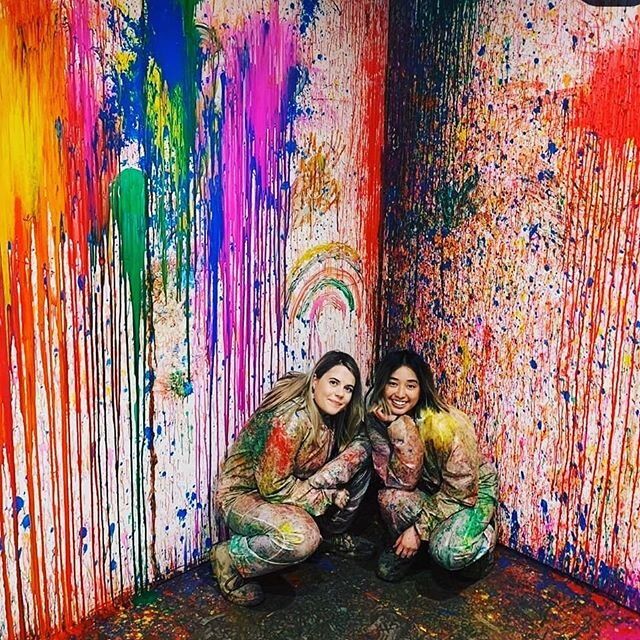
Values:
[(298, 470), (437, 490)]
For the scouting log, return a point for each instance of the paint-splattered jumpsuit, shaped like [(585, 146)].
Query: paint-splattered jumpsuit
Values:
[(275, 483), (435, 479)]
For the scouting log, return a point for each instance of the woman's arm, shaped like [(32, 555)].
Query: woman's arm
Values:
[(342, 468), (275, 468), (397, 451), (452, 444), (408, 452)]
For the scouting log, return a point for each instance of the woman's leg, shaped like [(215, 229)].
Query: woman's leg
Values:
[(337, 521), (267, 537), (401, 509), (351, 470), (468, 535)]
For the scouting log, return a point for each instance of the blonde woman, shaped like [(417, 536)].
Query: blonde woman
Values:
[(297, 472)]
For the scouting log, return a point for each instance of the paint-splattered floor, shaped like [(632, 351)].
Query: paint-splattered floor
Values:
[(330, 597)]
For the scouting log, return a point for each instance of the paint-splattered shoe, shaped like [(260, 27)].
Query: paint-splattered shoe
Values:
[(391, 567), (232, 585), (349, 545)]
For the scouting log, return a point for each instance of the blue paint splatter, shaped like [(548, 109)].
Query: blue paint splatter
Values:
[(166, 41), (148, 436), (308, 14), (515, 529)]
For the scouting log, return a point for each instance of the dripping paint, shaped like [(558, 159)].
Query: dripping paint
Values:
[(515, 181), (180, 224)]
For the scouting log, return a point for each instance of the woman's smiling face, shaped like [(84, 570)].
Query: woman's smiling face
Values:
[(402, 391), (332, 391)]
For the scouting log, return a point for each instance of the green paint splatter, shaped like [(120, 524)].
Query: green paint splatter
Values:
[(128, 196), (454, 202), (323, 284), (180, 384)]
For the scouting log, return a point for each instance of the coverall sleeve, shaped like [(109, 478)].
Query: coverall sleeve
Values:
[(460, 472), (397, 452), (275, 468), (339, 471), (451, 462)]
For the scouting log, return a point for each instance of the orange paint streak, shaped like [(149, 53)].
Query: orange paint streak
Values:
[(25, 342), (280, 446), (60, 168)]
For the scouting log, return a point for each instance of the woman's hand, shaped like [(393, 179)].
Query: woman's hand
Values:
[(408, 543), (341, 498), (380, 413)]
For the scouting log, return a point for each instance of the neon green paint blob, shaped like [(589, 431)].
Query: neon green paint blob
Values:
[(128, 197)]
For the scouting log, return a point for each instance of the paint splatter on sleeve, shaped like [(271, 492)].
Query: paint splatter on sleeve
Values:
[(397, 453), (275, 468), (405, 464), (342, 468), (452, 455)]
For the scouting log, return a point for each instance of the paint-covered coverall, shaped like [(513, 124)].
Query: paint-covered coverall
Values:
[(435, 479), (277, 479)]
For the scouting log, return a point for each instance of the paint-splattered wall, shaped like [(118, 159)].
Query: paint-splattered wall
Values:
[(189, 206), (513, 174)]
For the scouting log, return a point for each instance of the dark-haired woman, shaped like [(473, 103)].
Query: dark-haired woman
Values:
[(298, 471), (436, 488)]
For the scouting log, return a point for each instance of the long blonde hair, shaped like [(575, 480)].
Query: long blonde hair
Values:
[(295, 391)]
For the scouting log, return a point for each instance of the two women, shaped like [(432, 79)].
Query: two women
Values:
[(301, 466), (437, 490), (298, 471)]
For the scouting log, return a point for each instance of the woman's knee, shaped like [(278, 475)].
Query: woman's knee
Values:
[(297, 535), (454, 552)]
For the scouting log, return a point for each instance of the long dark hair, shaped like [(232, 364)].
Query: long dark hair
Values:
[(295, 390), (391, 362)]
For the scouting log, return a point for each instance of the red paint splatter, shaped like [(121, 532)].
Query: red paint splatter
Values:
[(601, 245), (281, 447), (608, 105)]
